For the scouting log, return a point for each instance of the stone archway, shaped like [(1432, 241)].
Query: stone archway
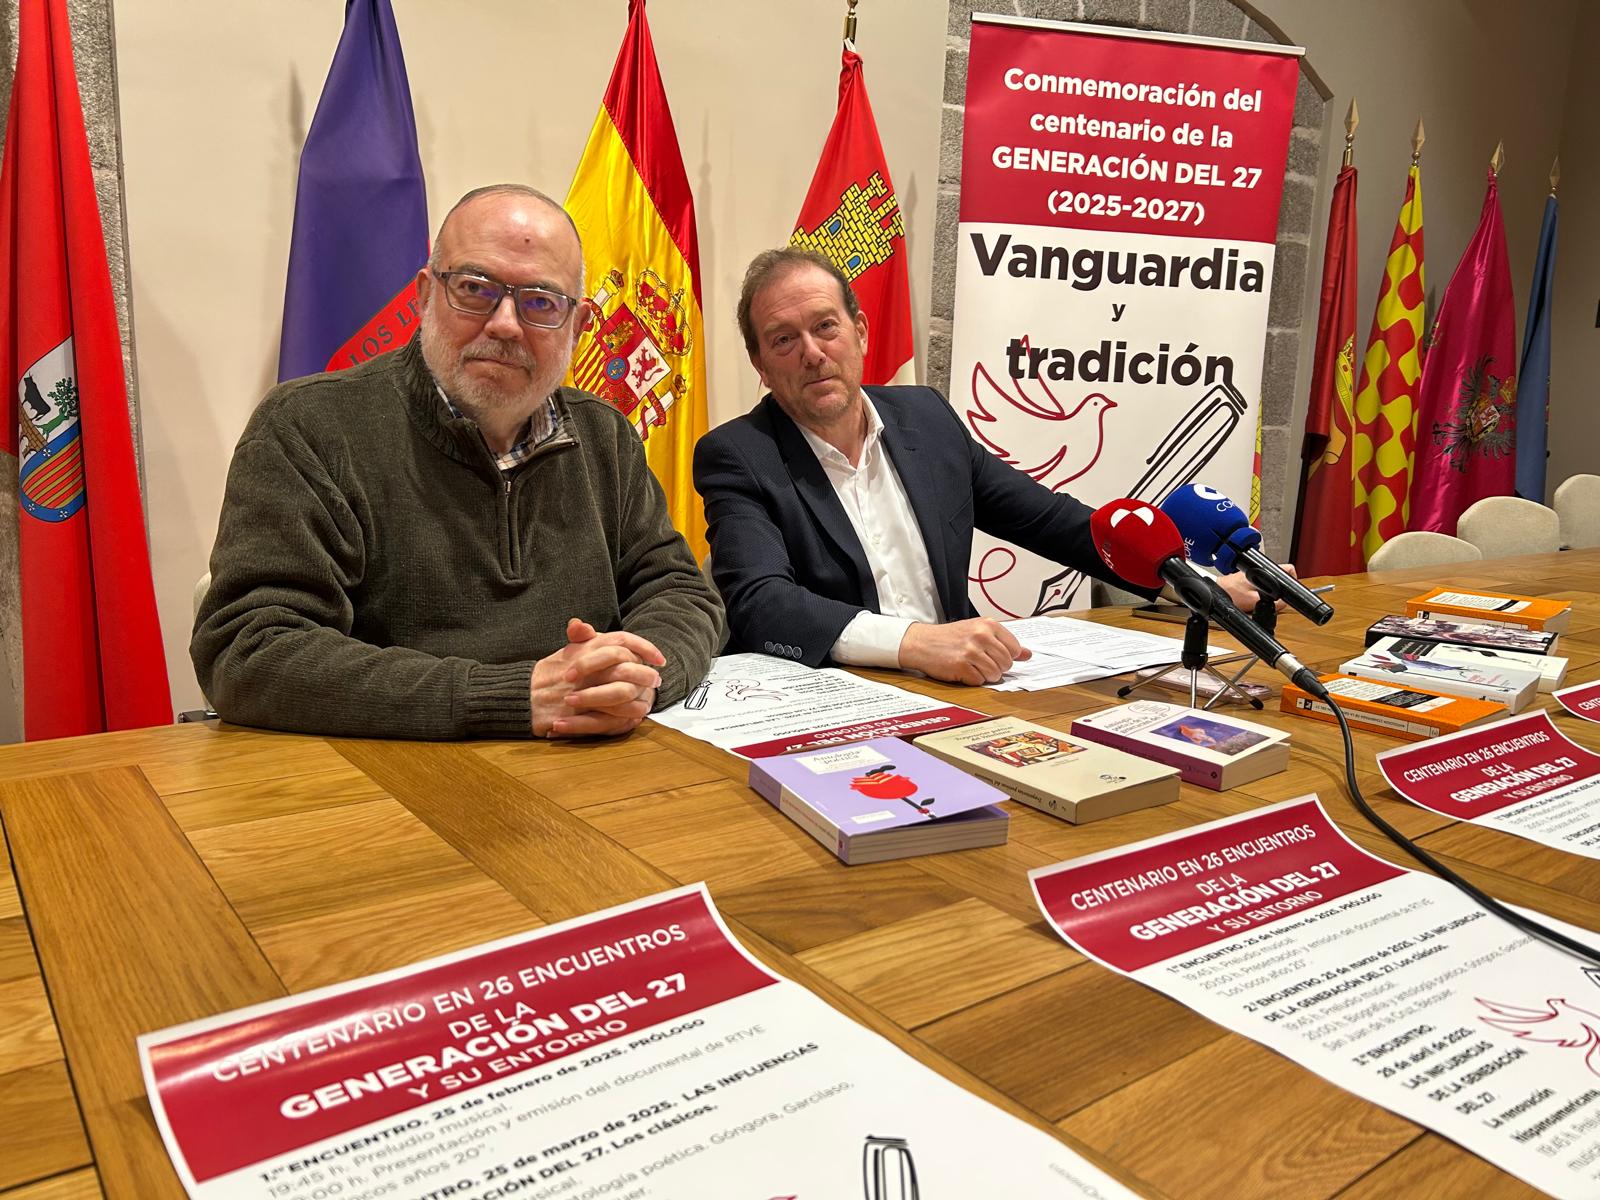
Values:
[(1296, 218)]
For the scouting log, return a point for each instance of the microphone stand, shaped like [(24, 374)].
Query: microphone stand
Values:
[(1196, 631)]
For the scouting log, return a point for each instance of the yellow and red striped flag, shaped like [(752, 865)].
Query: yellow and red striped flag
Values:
[(631, 201), (1386, 397)]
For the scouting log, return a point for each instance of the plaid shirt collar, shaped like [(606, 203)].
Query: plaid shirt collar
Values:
[(542, 426)]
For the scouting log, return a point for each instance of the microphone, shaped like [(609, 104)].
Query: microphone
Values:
[(1140, 543), (1216, 533)]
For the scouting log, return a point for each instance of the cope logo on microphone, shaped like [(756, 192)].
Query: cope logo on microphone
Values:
[(1210, 493)]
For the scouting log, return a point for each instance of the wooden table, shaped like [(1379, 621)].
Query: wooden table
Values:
[(163, 875)]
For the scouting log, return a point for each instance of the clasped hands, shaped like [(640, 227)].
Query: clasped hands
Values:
[(598, 684)]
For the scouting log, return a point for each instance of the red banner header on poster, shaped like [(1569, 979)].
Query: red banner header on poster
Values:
[(1130, 134)]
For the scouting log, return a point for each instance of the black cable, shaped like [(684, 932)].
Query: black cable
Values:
[(1527, 925)]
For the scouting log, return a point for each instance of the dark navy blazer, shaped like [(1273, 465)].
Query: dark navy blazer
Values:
[(786, 558)]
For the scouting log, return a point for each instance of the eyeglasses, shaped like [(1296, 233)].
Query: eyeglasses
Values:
[(542, 308)]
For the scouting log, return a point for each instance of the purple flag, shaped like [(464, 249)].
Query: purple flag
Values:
[(360, 212), (1467, 404)]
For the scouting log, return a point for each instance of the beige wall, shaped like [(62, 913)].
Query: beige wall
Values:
[(216, 104)]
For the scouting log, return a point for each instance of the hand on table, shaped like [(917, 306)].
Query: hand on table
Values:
[(598, 684), (1243, 593), (975, 651)]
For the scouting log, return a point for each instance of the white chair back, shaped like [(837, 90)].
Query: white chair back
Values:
[(1422, 549), (1504, 526), (1578, 510)]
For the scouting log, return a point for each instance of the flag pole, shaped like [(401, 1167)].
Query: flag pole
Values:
[(1497, 159), (850, 24), (1417, 139), (1351, 120), (1555, 174)]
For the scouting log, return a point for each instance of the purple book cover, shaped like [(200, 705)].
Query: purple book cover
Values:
[(866, 787)]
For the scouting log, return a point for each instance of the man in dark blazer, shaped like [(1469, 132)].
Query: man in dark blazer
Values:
[(841, 517)]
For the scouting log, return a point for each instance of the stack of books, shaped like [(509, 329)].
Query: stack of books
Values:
[(1502, 645), (1452, 671)]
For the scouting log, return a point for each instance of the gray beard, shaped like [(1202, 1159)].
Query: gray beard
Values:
[(477, 396)]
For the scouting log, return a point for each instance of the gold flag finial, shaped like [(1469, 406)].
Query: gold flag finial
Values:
[(1555, 174), (850, 23), (1351, 120), (1417, 139), (1498, 158)]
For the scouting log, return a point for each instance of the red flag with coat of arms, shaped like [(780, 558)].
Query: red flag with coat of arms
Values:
[(852, 216), (92, 655), (1467, 403)]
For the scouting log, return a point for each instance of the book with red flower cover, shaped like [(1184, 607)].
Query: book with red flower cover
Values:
[(881, 799)]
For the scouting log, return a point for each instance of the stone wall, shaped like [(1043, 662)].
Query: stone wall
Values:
[(94, 52), (1293, 260)]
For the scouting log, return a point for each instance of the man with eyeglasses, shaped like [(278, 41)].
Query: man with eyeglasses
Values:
[(444, 542)]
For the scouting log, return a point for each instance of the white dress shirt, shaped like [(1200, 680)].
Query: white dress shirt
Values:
[(875, 501)]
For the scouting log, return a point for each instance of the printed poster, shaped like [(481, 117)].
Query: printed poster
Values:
[(1385, 981), (635, 1054), (1117, 224), (753, 705), (1522, 775), (1583, 700)]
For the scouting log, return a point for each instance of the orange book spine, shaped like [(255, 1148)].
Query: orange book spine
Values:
[(1433, 717), (1536, 615)]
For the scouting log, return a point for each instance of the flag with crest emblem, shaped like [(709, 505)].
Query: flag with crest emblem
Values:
[(360, 210), (92, 655), (630, 199), (852, 216), (1467, 403)]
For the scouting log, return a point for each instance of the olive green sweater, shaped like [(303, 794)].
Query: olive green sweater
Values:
[(376, 575)]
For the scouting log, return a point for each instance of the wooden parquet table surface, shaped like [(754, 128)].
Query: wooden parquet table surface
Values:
[(163, 875)]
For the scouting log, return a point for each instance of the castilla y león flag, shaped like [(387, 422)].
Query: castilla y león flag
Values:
[(852, 216), (1467, 404), (630, 199), (360, 210), (92, 657)]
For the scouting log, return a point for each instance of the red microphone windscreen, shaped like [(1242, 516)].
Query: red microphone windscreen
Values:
[(1134, 538)]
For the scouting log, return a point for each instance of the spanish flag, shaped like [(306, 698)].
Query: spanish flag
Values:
[(631, 201)]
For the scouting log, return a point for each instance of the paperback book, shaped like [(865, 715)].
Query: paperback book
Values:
[(1409, 713), (1461, 633), (1208, 748), (1043, 768), (1492, 608), (882, 799), (1400, 663), (1550, 671)]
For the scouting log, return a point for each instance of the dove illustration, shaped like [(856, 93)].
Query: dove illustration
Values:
[(1037, 435), (1558, 1023)]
